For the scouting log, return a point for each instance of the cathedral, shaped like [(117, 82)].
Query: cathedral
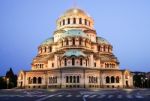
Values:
[(75, 57)]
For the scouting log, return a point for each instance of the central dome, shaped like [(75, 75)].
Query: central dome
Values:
[(75, 11)]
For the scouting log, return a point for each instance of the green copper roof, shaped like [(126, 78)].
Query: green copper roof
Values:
[(102, 40), (48, 41), (74, 52), (74, 32)]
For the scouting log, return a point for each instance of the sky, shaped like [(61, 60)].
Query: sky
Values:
[(25, 24)]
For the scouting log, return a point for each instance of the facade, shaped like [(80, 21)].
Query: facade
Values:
[(75, 57)]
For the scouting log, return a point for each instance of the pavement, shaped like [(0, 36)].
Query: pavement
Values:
[(75, 95)]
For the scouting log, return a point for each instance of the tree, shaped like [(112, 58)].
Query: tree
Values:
[(12, 78)]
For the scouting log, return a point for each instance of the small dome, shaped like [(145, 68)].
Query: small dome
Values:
[(75, 11), (73, 33), (102, 40), (73, 52), (48, 41)]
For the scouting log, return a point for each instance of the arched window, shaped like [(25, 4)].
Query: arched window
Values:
[(65, 62), (80, 20), (80, 41), (67, 42), (39, 80), (63, 22), (73, 41), (98, 48), (34, 80), (41, 50), (67, 79), (60, 23), (50, 79), (89, 79), (117, 79), (70, 79), (94, 64), (74, 79), (52, 64), (81, 61), (50, 49), (78, 81), (45, 49), (86, 62), (85, 22), (107, 79), (74, 20), (55, 79), (73, 61), (68, 20), (112, 79), (104, 48)]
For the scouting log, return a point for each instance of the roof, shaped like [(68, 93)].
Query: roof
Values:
[(102, 40), (74, 32), (73, 52), (75, 11), (48, 41)]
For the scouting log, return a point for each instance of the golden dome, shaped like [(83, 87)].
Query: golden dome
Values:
[(75, 11)]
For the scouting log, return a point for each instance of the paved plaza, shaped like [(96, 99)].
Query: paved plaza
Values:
[(75, 95)]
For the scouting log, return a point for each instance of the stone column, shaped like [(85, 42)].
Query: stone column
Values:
[(56, 60), (91, 61)]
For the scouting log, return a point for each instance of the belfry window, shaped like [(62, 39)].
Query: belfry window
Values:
[(65, 62), (50, 49), (63, 22), (73, 61), (80, 20), (45, 49), (86, 62), (80, 41), (81, 61), (85, 22), (52, 64), (74, 20), (68, 20), (67, 42), (73, 41), (94, 64)]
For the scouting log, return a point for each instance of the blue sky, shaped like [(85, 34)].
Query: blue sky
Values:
[(24, 24)]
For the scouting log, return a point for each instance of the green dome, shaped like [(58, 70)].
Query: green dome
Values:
[(73, 52), (74, 32), (48, 41), (102, 40)]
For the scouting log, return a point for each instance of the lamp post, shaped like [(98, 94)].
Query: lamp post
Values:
[(7, 81), (147, 82), (142, 81)]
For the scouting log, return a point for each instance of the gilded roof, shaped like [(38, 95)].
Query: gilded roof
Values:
[(75, 11)]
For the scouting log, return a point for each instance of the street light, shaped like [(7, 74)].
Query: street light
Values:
[(146, 81), (7, 81), (142, 81)]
